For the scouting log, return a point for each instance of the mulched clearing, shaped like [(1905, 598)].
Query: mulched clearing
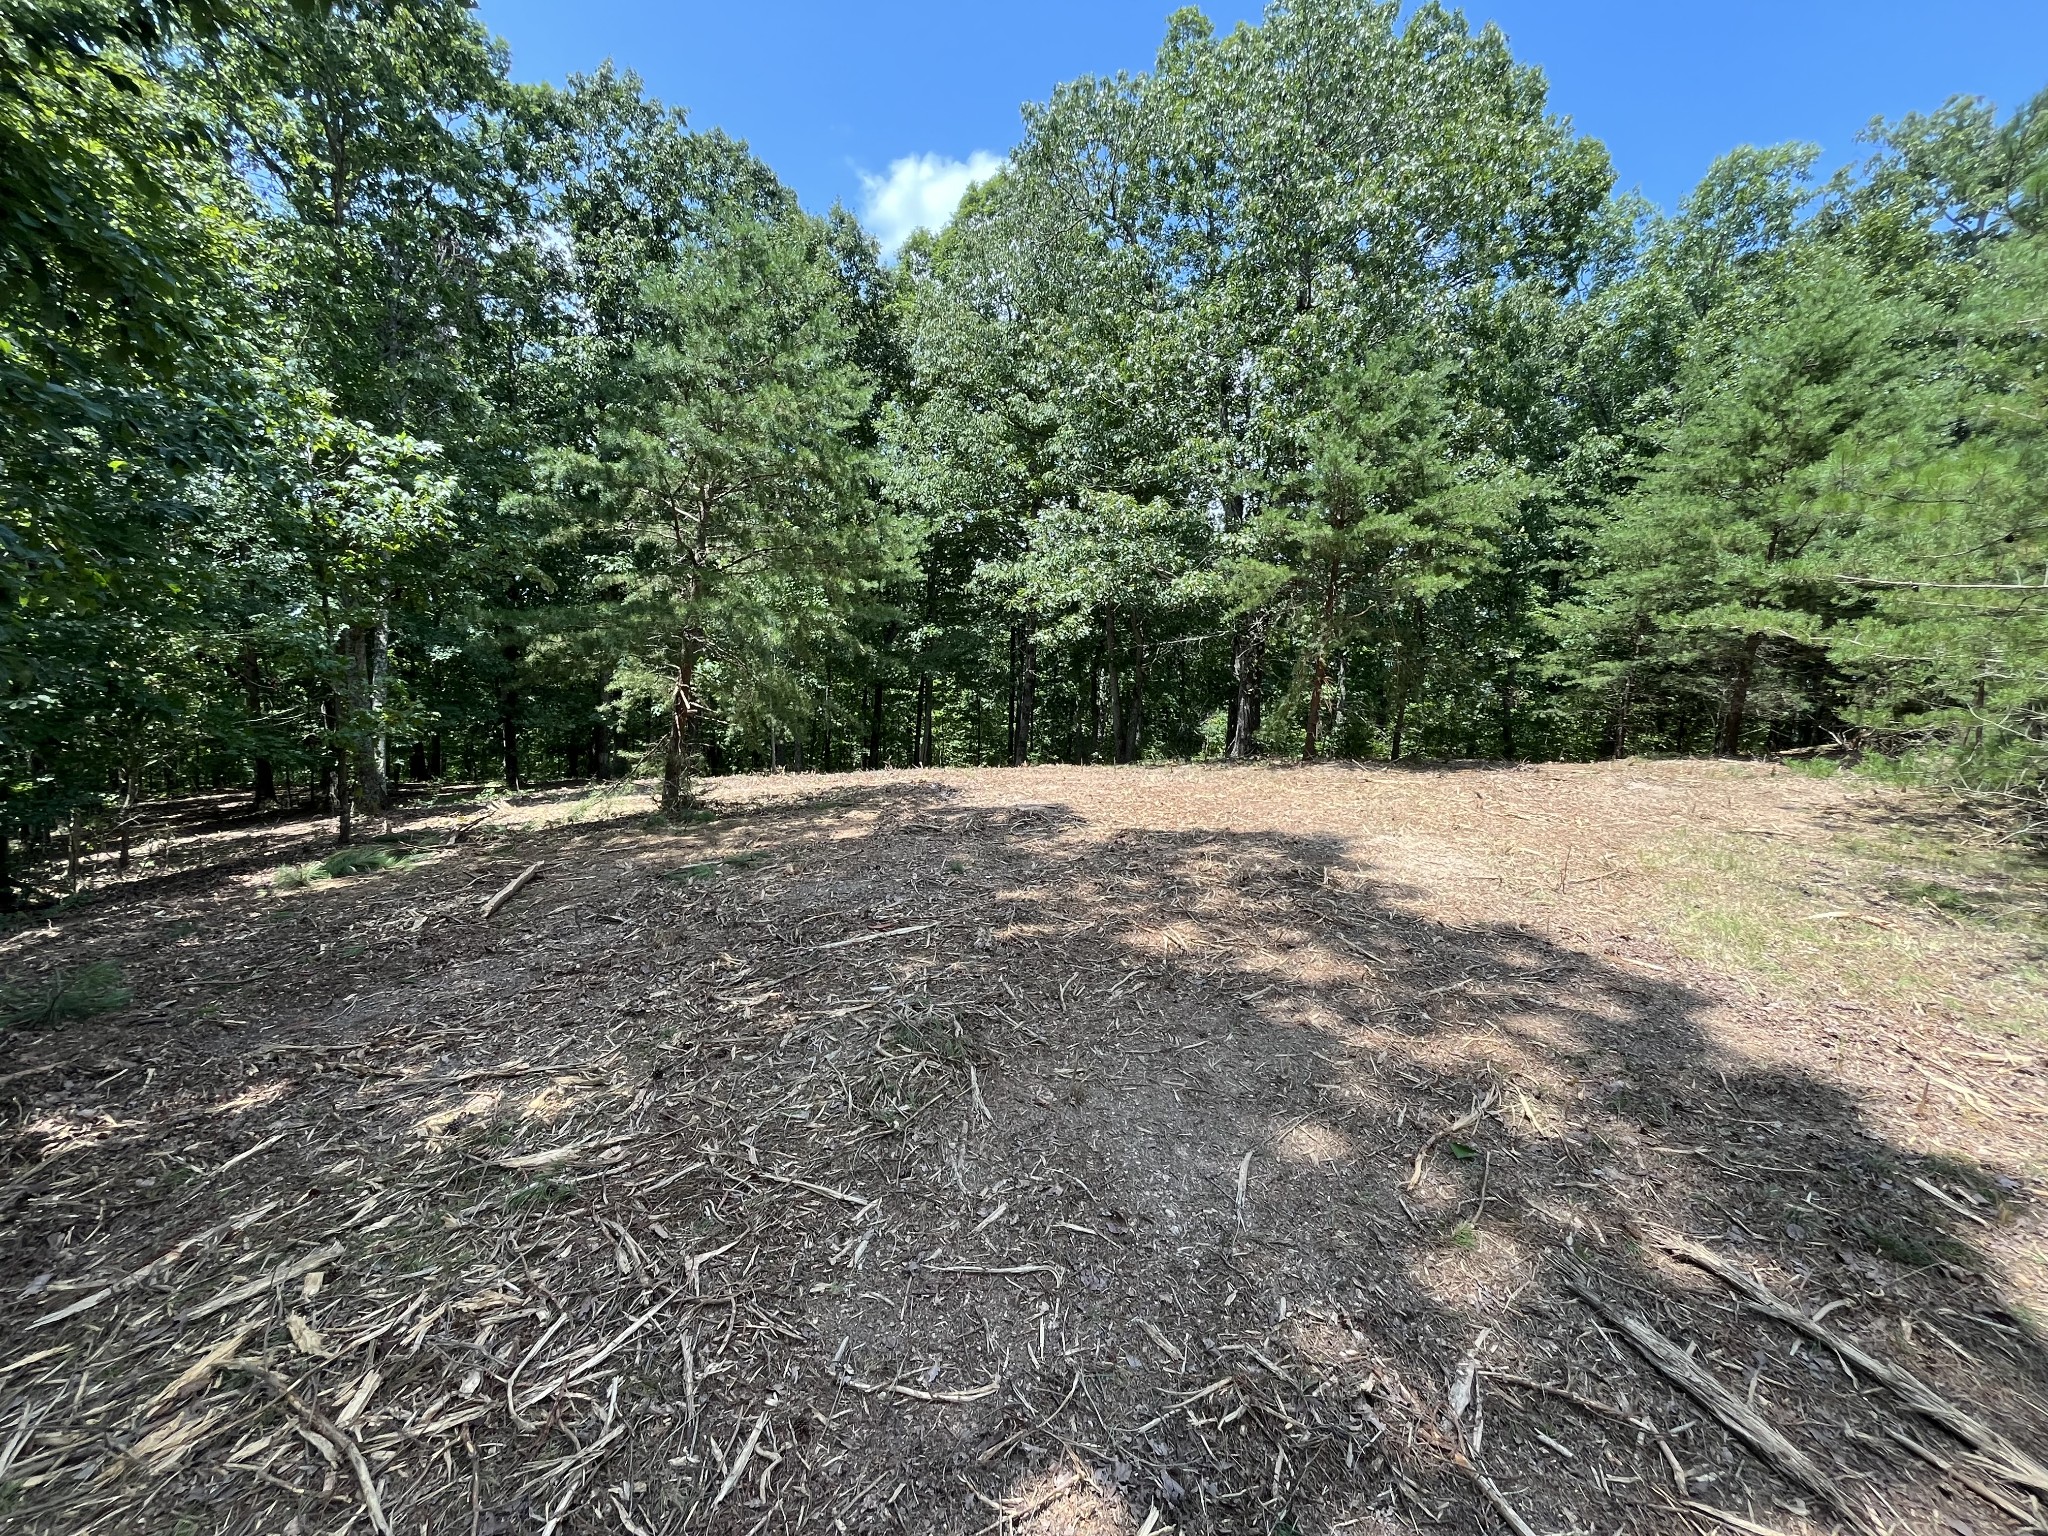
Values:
[(1262, 1150)]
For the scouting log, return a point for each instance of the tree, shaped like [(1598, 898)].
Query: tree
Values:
[(1716, 573), (722, 481)]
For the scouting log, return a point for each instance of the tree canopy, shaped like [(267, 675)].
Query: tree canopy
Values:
[(370, 420)]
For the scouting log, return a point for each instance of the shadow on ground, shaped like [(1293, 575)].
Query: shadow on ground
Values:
[(893, 1162)]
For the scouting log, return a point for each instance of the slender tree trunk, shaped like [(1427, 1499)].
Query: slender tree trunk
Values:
[(6, 875), (1507, 715), (416, 768), (1027, 702), (1322, 667), (1010, 671), (265, 772), (1315, 706), (876, 707), (344, 824), (1134, 720), (924, 720), (1116, 697), (1094, 710), (437, 766), (1247, 665), (369, 691), (677, 793), (1400, 722), (1340, 710), (508, 732), (1625, 711), (72, 850), (1738, 696)]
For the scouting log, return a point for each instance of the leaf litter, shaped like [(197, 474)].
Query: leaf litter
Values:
[(1161, 1150)]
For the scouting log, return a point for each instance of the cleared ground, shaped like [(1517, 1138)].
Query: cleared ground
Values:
[(1099, 1150)]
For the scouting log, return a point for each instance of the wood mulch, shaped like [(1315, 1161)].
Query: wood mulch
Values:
[(1052, 1150)]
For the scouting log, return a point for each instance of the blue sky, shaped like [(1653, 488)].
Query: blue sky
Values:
[(892, 105)]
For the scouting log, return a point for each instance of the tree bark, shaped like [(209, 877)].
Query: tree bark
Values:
[(266, 783), (1094, 710), (1134, 719), (1027, 702), (369, 682), (344, 825), (877, 704), (1315, 707), (1027, 697), (677, 793), (1738, 696), (508, 731), (1246, 667), (1116, 695)]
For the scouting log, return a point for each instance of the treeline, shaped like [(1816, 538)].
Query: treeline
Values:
[(369, 418)]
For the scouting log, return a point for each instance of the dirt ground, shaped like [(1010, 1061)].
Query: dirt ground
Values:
[(1638, 1147)]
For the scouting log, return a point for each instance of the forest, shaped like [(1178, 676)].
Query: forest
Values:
[(369, 420)]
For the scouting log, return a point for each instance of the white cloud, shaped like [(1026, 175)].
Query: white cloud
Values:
[(920, 192)]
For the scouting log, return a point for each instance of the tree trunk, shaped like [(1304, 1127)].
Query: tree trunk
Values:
[(1738, 696), (877, 705), (508, 732), (1134, 718), (1116, 696), (1010, 671), (1507, 715), (677, 794), (266, 783), (1027, 702), (1094, 710), (369, 687), (924, 720), (1315, 707), (437, 767), (344, 825), (6, 876), (1623, 714), (1400, 722), (1246, 666), (416, 767)]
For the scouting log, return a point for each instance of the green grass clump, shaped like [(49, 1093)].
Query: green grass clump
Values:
[(365, 860), (92, 989)]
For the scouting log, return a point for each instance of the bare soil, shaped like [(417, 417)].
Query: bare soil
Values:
[(1195, 1149)]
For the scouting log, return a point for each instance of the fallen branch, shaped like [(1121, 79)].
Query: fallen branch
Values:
[(1998, 1455), (1675, 1365), (516, 885)]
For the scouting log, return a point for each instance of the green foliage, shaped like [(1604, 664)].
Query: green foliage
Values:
[(95, 988), (368, 418)]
